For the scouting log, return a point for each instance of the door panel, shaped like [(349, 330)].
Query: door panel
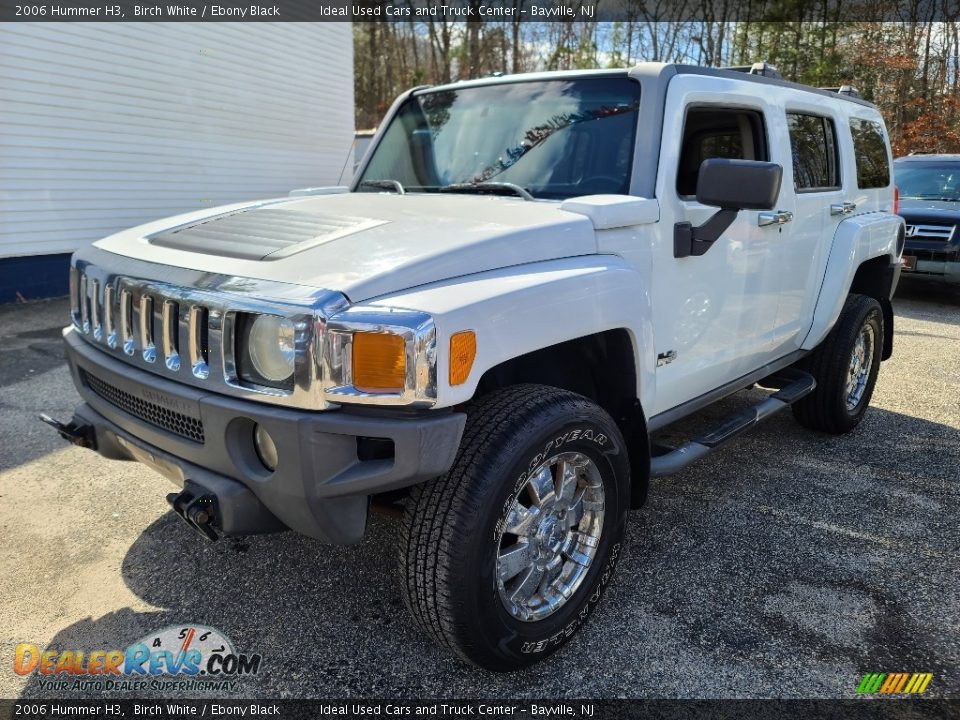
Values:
[(800, 260), (715, 314)]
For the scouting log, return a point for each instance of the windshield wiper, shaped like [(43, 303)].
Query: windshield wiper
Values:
[(496, 187), (385, 184)]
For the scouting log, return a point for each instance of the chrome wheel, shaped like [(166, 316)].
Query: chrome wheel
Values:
[(550, 536), (861, 362)]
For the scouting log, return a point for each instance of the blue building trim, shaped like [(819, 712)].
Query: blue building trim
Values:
[(34, 277)]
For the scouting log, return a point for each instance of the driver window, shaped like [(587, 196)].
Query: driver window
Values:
[(714, 132)]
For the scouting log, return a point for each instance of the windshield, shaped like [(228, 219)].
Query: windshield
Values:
[(928, 181), (555, 139)]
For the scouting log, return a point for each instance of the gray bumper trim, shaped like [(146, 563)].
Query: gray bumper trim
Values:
[(320, 487), (944, 269)]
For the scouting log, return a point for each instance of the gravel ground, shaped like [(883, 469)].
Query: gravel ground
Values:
[(787, 565)]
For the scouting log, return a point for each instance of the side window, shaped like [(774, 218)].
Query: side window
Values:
[(870, 149), (814, 148), (717, 132)]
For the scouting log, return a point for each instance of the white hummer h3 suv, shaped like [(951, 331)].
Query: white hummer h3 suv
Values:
[(528, 276)]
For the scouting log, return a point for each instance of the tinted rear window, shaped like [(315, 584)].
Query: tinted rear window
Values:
[(870, 150), (813, 145)]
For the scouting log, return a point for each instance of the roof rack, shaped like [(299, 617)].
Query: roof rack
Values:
[(848, 90), (758, 68)]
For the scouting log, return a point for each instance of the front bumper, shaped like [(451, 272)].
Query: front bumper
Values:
[(938, 259), (329, 462), (946, 270)]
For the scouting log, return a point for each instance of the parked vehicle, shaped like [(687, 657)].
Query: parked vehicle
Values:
[(930, 203), (528, 277)]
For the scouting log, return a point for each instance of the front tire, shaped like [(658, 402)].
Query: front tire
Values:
[(505, 556), (845, 366)]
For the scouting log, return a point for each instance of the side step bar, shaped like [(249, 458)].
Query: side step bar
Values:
[(791, 384)]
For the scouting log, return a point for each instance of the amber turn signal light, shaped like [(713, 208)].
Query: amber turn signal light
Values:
[(463, 351), (379, 362)]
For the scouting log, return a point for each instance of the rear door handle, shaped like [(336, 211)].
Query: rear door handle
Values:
[(844, 208), (779, 217)]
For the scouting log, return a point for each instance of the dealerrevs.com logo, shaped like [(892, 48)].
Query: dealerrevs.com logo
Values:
[(178, 657)]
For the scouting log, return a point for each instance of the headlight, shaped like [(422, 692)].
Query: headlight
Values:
[(272, 347), (266, 350)]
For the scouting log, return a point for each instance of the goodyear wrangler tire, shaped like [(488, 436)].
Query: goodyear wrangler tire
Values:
[(845, 366), (505, 557)]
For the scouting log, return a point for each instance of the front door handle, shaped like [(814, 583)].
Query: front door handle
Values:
[(779, 217), (844, 208)]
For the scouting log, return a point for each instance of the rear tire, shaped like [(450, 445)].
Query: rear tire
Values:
[(504, 557), (845, 366)]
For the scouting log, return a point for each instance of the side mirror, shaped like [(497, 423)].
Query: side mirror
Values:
[(732, 186), (739, 184)]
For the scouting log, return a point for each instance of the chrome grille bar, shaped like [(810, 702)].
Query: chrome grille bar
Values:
[(170, 329), (110, 331), (198, 338), (214, 342), (126, 321), (75, 296), (146, 328), (84, 305), (95, 309), (931, 232)]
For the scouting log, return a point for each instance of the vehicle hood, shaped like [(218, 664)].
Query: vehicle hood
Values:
[(361, 244), (941, 210)]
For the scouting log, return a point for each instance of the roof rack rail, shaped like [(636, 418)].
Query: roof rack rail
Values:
[(758, 68), (848, 90)]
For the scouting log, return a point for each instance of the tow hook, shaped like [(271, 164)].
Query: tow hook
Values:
[(76, 433), (195, 511)]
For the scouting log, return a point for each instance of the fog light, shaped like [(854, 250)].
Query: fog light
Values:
[(266, 449)]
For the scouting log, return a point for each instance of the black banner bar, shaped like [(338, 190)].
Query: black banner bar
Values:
[(499, 11), (865, 709)]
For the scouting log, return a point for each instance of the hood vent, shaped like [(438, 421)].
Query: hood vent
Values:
[(261, 233)]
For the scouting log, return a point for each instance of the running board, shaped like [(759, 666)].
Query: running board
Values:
[(791, 384)]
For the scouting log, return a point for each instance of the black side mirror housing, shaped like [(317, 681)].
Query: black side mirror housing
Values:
[(732, 186), (739, 184)]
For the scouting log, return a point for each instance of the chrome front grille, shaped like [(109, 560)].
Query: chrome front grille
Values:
[(185, 334), (931, 232), (146, 322)]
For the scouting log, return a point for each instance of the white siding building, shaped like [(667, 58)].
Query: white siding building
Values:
[(108, 125)]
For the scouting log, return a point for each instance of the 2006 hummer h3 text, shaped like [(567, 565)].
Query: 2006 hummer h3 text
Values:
[(528, 277)]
